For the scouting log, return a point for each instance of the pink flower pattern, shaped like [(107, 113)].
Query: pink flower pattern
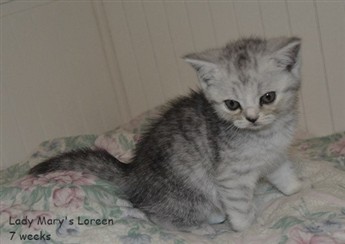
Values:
[(298, 236), (304, 147), (7, 211), (68, 197), (338, 147), (59, 177)]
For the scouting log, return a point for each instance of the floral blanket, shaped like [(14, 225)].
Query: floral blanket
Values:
[(72, 207)]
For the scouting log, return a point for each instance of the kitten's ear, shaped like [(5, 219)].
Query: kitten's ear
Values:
[(199, 61), (286, 52), (205, 64)]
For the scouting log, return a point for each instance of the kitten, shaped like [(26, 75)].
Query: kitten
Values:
[(200, 160)]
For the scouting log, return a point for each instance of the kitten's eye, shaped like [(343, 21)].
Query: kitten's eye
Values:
[(232, 104), (268, 98)]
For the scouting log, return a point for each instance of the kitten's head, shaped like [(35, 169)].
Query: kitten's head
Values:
[(251, 82)]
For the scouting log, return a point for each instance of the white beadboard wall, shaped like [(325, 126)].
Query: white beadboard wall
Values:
[(79, 67)]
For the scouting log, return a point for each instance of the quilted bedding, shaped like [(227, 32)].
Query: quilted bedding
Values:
[(72, 207)]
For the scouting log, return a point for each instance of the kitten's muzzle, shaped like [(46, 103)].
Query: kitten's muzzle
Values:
[(251, 114), (252, 119)]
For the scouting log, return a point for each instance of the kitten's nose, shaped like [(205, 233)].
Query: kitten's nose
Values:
[(250, 119), (251, 114)]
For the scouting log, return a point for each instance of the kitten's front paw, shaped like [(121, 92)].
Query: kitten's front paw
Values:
[(240, 221), (216, 218), (285, 179), (292, 188)]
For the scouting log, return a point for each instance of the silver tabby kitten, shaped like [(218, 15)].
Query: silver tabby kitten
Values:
[(200, 160)]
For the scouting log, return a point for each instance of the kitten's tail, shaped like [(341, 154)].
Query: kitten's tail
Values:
[(96, 162)]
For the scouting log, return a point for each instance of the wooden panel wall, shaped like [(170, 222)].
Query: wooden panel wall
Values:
[(76, 67), (55, 79)]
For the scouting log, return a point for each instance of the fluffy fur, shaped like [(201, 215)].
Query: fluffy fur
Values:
[(200, 161)]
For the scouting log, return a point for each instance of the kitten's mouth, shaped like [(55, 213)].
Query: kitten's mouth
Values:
[(255, 126), (251, 126), (258, 126)]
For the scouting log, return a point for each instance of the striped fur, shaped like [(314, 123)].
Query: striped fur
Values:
[(199, 162)]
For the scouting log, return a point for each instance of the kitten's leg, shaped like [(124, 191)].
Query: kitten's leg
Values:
[(238, 204), (285, 179), (241, 217)]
